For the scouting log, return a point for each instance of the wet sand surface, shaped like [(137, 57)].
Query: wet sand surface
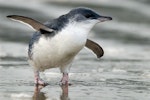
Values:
[(123, 73), (92, 79)]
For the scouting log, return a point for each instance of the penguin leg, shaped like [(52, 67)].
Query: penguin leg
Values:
[(65, 76), (37, 79), (65, 79)]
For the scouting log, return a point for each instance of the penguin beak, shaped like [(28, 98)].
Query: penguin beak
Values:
[(104, 18)]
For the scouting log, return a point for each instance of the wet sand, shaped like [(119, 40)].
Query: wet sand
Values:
[(109, 78)]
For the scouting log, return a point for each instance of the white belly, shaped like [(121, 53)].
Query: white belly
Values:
[(57, 51)]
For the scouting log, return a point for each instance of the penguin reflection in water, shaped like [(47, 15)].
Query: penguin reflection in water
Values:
[(56, 43), (39, 95)]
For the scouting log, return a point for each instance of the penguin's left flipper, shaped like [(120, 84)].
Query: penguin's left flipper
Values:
[(96, 48), (31, 22)]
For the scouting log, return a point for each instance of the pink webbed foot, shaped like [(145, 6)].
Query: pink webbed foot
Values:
[(37, 80), (64, 80), (40, 82)]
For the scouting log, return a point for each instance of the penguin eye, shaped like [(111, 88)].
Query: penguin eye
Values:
[(88, 15)]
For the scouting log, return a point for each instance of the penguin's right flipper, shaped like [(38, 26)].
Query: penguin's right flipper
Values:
[(31, 22)]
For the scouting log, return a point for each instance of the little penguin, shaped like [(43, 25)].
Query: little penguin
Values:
[(56, 42)]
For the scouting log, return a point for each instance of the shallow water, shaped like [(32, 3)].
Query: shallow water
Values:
[(123, 73)]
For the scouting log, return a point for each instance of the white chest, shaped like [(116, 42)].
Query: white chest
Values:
[(60, 49)]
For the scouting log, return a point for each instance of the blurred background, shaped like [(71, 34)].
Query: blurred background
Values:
[(123, 72)]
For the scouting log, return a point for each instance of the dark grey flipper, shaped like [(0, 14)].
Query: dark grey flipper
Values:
[(97, 49), (33, 23), (44, 29)]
